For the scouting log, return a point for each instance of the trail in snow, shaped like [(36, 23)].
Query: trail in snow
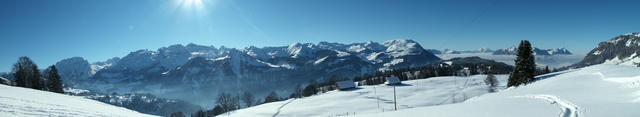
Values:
[(568, 109), (285, 104)]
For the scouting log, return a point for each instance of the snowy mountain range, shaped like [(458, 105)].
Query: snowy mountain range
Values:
[(510, 51), (604, 84), (206, 70), (622, 49), (537, 51), (450, 51)]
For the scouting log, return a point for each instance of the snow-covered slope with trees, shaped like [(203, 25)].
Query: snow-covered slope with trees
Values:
[(23, 102), (597, 91), (365, 99)]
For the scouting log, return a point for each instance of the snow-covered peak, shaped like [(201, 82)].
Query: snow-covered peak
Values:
[(75, 68), (484, 50), (136, 60), (398, 42), (331, 46), (450, 51), (637, 34), (297, 50), (97, 66), (401, 47)]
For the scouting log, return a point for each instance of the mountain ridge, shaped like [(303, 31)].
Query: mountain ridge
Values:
[(168, 71)]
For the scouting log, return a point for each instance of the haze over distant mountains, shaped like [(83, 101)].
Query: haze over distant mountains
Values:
[(204, 71), (510, 51)]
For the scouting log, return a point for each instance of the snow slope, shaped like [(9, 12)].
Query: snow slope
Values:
[(22, 102), (597, 91), (415, 93)]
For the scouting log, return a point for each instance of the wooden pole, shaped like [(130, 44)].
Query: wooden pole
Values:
[(395, 102), (376, 94)]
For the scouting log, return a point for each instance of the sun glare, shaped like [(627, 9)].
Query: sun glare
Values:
[(191, 3)]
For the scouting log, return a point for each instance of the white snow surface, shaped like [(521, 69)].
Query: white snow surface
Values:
[(604, 90), (22, 102), (364, 99)]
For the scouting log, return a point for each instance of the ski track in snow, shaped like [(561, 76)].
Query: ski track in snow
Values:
[(285, 104), (568, 109)]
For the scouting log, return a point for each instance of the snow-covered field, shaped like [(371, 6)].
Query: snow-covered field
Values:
[(23, 102), (597, 91), (365, 99), (555, 61)]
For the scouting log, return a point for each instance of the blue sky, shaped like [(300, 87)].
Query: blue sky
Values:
[(51, 30)]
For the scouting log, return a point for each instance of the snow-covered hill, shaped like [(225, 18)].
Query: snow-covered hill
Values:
[(605, 90), (365, 99), (597, 91), (22, 102)]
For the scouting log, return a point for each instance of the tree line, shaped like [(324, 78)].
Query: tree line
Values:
[(26, 74)]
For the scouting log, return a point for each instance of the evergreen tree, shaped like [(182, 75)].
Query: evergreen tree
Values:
[(525, 69), (36, 78), (310, 89), (217, 111), (177, 114), (55, 84), (200, 113), (297, 91), (547, 70), (491, 81)]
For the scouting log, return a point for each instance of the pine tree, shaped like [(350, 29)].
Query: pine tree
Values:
[(36, 79), (491, 81), (200, 113), (525, 69), (217, 110), (310, 89), (54, 84), (547, 70), (177, 114)]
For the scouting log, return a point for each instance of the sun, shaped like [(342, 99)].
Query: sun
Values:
[(191, 3)]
